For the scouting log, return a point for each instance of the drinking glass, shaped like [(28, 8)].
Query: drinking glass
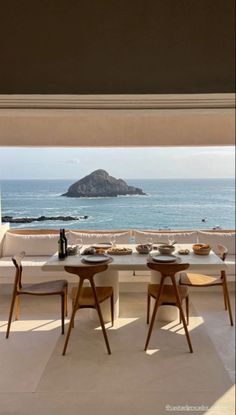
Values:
[(150, 241), (113, 240), (79, 244), (171, 240)]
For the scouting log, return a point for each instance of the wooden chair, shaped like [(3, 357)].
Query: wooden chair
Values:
[(167, 294), (168, 297), (57, 287), (90, 297), (202, 280)]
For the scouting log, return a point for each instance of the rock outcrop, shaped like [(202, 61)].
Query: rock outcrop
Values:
[(10, 219), (100, 184)]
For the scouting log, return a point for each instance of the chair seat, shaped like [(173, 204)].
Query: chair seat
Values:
[(44, 288), (199, 280), (168, 294), (87, 298)]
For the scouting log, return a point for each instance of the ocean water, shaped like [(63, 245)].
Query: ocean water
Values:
[(169, 204)]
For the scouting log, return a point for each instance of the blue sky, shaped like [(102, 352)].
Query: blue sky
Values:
[(127, 163)]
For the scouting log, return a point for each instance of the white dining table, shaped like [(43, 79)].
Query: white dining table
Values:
[(135, 262), (138, 262)]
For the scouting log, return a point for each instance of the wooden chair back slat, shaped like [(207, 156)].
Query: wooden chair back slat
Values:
[(18, 265), (87, 271), (223, 251), (167, 269)]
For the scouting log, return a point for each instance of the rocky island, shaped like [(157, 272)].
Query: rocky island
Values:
[(10, 219), (100, 184)]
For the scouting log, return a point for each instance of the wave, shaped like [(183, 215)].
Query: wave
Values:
[(138, 196), (180, 205)]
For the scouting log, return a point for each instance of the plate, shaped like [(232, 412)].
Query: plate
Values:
[(95, 259), (102, 245), (164, 258)]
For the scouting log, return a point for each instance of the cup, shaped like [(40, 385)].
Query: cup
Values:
[(171, 241), (113, 240), (79, 244), (150, 242)]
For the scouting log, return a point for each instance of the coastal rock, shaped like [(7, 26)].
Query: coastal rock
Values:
[(10, 219), (100, 184)]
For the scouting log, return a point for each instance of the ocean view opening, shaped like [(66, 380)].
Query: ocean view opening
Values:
[(183, 188)]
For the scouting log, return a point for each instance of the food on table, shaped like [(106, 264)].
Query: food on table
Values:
[(201, 249), (89, 251), (201, 246), (72, 250), (119, 251), (183, 251), (100, 251), (143, 248)]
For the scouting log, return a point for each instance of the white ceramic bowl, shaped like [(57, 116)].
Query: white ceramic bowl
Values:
[(165, 249)]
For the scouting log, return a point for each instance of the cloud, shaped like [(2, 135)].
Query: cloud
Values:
[(73, 161), (204, 154)]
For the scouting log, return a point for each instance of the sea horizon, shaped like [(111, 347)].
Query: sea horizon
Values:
[(126, 178)]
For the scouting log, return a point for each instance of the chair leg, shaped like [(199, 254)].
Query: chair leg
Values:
[(228, 301), (182, 313), (112, 309), (225, 299), (148, 307), (66, 301), (62, 312), (17, 315), (157, 303), (73, 322), (180, 319), (14, 295), (73, 304), (72, 316), (100, 316), (187, 309)]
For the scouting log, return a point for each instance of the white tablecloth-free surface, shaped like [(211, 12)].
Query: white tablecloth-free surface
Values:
[(137, 261)]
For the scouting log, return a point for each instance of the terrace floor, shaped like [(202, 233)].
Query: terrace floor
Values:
[(36, 378)]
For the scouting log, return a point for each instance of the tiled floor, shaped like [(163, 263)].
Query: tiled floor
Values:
[(36, 379)]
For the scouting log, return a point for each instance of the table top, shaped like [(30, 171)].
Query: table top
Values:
[(137, 261)]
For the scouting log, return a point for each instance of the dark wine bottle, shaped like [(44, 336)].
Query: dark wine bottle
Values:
[(61, 246), (65, 240)]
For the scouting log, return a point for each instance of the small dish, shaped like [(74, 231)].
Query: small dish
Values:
[(164, 258), (183, 251), (96, 258)]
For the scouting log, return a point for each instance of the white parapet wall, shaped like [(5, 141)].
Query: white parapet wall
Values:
[(129, 281), (3, 229)]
